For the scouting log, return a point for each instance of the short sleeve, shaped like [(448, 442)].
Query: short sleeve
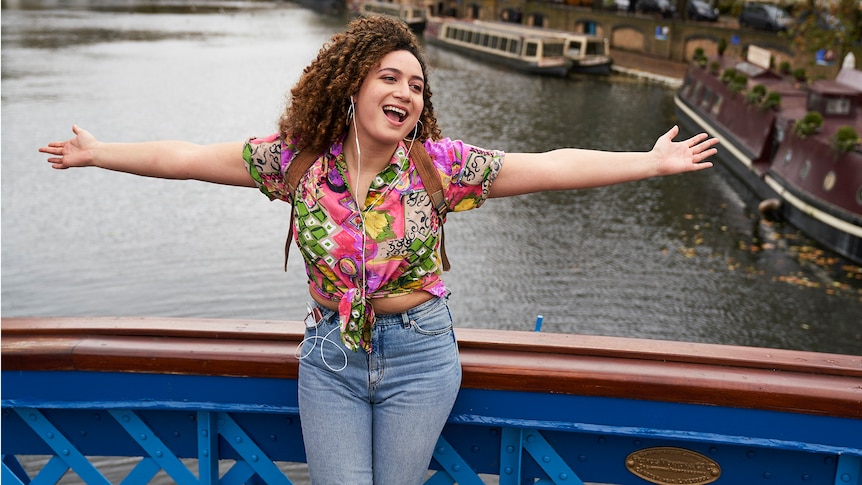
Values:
[(467, 171), (263, 160)]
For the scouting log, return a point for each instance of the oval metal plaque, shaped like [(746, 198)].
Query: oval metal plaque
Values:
[(672, 466)]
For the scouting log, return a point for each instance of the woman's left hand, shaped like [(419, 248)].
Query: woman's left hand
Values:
[(683, 156)]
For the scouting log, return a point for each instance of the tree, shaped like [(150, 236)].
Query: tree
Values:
[(834, 27)]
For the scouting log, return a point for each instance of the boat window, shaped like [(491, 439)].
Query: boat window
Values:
[(504, 44), (495, 41), (805, 170), (716, 106), (575, 48), (485, 40), (686, 87), (829, 181), (695, 96), (515, 46), (837, 106), (707, 98), (532, 49), (552, 49), (595, 48)]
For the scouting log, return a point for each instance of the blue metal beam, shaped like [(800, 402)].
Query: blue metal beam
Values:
[(259, 462), (66, 455)]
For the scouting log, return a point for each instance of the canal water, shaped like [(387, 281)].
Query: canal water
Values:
[(680, 258)]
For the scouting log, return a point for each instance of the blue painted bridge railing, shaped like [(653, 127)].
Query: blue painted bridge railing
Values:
[(214, 401)]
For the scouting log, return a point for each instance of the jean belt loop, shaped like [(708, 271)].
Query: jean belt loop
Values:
[(405, 319)]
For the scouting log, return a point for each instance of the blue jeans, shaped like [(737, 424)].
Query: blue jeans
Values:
[(375, 418)]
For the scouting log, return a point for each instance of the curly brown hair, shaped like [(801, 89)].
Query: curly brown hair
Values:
[(316, 115)]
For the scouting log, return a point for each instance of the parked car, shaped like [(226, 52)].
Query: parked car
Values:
[(664, 7), (765, 17), (701, 10)]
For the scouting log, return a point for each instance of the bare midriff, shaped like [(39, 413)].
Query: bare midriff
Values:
[(382, 306)]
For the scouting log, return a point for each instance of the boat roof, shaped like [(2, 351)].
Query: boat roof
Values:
[(541, 31), (849, 76), (835, 88), (506, 28)]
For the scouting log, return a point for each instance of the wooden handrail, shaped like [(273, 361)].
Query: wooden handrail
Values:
[(695, 373)]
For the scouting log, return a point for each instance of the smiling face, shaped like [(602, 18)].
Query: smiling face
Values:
[(390, 100)]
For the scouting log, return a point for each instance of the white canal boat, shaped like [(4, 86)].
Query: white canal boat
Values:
[(530, 50)]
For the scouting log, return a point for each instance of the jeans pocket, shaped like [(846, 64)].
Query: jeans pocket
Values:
[(434, 323), (325, 318)]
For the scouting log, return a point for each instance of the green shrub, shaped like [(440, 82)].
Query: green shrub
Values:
[(728, 75), (771, 101), (737, 85), (714, 67), (845, 139), (753, 97), (809, 124)]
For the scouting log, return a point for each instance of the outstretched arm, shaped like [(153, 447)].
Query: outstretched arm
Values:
[(219, 163), (572, 168)]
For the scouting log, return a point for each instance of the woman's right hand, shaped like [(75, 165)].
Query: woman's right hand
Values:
[(220, 163), (74, 152)]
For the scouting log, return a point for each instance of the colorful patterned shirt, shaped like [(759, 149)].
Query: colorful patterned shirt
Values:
[(399, 246)]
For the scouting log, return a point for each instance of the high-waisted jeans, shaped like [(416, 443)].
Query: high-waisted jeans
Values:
[(375, 418)]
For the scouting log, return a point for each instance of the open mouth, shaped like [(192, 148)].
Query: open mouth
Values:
[(395, 113)]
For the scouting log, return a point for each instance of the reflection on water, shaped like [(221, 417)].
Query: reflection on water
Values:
[(680, 258)]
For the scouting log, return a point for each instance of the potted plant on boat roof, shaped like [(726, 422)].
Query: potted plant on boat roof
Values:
[(808, 124), (845, 139), (756, 94), (772, 100), (728, 75), (738, 83), (714, 68)]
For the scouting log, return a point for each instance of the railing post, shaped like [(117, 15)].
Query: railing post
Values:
[(848, 470), (511, 451), (208, 456)]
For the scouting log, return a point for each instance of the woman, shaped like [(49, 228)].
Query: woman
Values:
[(379, 369)]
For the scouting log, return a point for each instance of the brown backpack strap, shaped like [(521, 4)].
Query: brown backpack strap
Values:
[(434, 186), (297, 168), (427, 172)]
